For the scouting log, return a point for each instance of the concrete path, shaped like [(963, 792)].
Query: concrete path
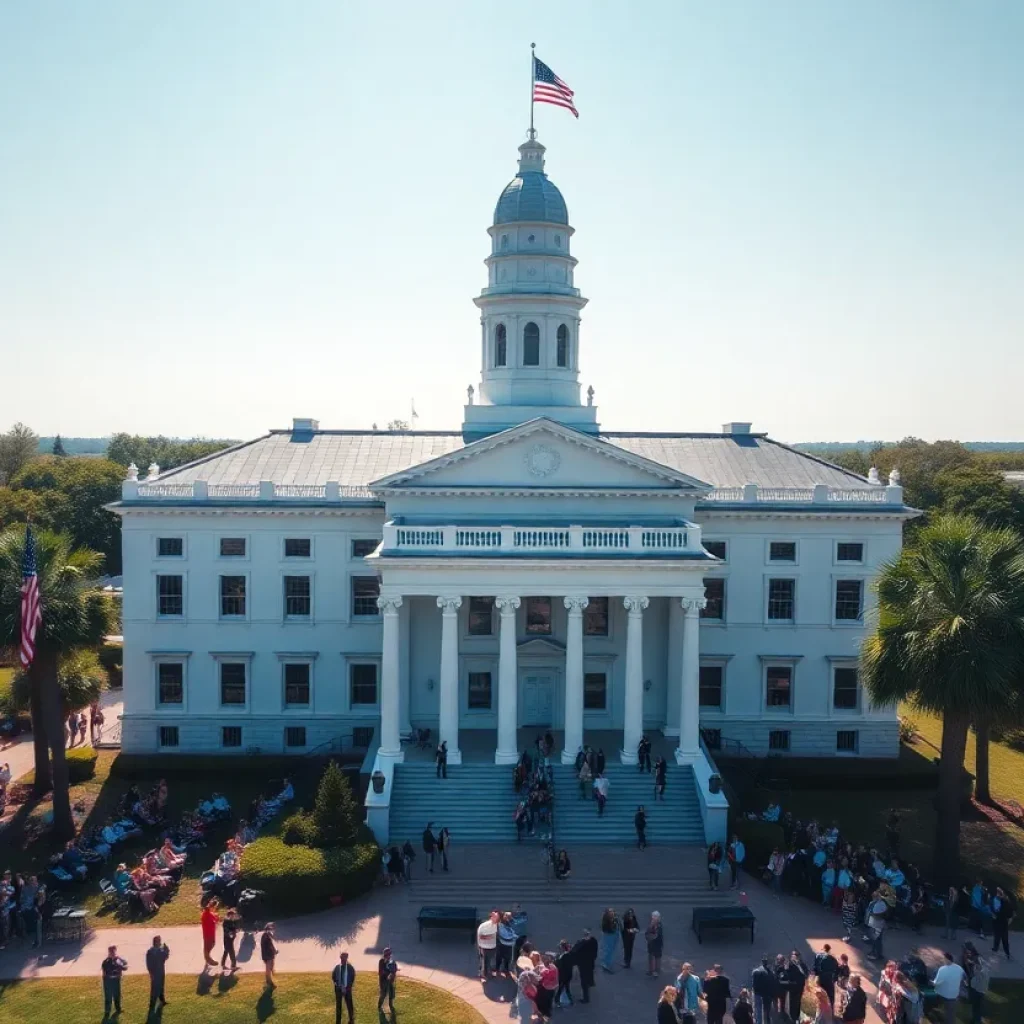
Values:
[(388, 917)]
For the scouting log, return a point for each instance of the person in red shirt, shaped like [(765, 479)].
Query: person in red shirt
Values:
[(209, 922)]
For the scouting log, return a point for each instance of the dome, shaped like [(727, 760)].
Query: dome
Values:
[(531, 196)]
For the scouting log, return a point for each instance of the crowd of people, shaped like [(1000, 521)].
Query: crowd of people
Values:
[(534, 784), (79, 722)]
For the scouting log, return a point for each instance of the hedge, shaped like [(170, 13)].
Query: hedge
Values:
[(300, 879), (760, 838), (81, 763)]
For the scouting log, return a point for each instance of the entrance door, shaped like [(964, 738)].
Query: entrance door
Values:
[(538, 698)]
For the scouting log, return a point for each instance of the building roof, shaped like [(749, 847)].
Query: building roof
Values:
[(531, 196), (354, 458)]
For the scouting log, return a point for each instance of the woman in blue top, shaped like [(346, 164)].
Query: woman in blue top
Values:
[(828, 881)]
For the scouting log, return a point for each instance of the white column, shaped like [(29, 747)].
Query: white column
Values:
[(390, 739), (507, 751), (689, 683), (633, 711), (448, 727), (673, 668), (573, 723)]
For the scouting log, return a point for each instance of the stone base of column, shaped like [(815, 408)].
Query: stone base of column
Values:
[(393, 756), (628, 757), (568, 756), (685, 756), (672, 732), (454, 757), (506, 757)]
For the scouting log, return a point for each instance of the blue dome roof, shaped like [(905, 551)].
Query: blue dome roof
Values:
[(531, 195)]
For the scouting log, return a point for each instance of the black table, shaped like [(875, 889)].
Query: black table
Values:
[(722, 917), (448, 917)]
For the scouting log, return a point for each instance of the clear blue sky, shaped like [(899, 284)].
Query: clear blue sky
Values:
[(217, 216)]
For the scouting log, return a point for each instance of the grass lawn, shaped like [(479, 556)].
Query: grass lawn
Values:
[(25, 845), (6, 678), (226, 1000)]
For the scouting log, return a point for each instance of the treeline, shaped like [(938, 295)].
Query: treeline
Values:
[(66, 492), (997, 454)]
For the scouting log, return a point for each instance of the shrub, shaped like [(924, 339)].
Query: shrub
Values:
[(760, 838), (299, 879), (336, 812), (112, 660), (299, 829), (908, 729), (81, 764)]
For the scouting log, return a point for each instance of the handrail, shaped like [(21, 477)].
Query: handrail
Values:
[(340, 748)]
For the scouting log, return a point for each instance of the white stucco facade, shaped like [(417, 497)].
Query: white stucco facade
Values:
[(527, 570)]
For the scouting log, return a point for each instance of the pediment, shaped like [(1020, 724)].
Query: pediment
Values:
[(539, 646), (542, 455)]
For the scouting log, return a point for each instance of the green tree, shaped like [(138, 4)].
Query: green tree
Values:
[(75, 615), (80, 676), (17, 447), (981, 492), (336, 813), (166, 452), (948, 640), (58, 447), (920, 464)]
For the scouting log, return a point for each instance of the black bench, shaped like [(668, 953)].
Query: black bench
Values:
[(448, 917), (722, 917)]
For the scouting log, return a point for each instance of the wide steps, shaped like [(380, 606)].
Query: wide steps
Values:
[(505, 892)]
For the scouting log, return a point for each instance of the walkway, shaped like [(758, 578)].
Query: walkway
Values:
[(388, 916)]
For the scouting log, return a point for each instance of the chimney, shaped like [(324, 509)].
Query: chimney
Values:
[(304, 425), (736, 428)]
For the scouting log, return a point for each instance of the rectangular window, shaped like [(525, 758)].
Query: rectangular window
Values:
[(361, 548), (232, 595), (362, 736), (295, 736), (845, 689), (232, 547), (595, 691), (296, 684), (849, 600), (712, 738), (538, 616), (595, 617), (481, 619), (782, 551), (714, 596), (849, 552), (168, 735), (231, 736), (170, 678), (362, 685), (297, 599), (716, 548), (711, 686), (780, 600), (778, 740), (232, 682), (170, 547), (779, 686), (170, 595), (846, 741), (479, 691), (365, 591), (297, 547)]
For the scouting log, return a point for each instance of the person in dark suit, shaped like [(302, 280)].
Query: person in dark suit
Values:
[(429, 846), (584, 956), (441, 757), (797, 972), (156, 965), (565, 964), (1003, 909), (600, 760), (343, 977)]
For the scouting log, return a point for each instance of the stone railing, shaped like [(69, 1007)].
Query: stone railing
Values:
[(265, 490), (561, 540), (819, 494)]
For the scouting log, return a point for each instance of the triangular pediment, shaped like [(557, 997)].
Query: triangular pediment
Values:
[(539, 646), (542, 454)]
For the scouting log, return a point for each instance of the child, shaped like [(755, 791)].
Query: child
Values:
[(843, 972), (849, 913)]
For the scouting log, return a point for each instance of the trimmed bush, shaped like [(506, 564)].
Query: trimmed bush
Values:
[(336, 813), (760, 838), (299, 829), (300, 879), (81, 764)]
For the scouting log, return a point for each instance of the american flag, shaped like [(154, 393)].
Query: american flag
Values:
[(549, 88), (31, 610)]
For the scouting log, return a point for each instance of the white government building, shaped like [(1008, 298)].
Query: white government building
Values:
[(529, 571)]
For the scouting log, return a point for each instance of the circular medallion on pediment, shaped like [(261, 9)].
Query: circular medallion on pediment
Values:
[(542, 460)]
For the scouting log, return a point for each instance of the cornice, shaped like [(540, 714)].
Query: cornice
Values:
[(702, 513), (695, 565), (450, 491), (241, 510)]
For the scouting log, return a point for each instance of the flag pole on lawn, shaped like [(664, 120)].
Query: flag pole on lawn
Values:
[(533, 46)]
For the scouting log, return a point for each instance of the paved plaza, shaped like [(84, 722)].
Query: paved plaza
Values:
[(556, 910)]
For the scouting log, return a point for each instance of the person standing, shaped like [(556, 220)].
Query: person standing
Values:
[(112, 968), (506, 944), (797, 981), (343, 977), (586, 779), (737, 855), (826, 967), (856, 1009), (667, 1006), (609, 938), (487, 943), (429, 846), (1002, 914), (822, 1005), (630, 928), (640, 824), (777, 865), (762, 983), (714, 864), (408, 856), (229, 930), (743, 1008), (600, 761), (441, 757), (584, 955), (156, 965), (660, 777), (717, 994), (947, 982), (892, 832), (444, 842), (208, 921), (655, 937), (387, 972), (643, 755), (564, 964), (600, 792), (977, 988), (268, 954), (877, 910), (690, 990)]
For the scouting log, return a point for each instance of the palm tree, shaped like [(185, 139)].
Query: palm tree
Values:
[(949, 640), (75, 615)]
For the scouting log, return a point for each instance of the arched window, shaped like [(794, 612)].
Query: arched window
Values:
[(562, 349), (499, 345), (531, 345)]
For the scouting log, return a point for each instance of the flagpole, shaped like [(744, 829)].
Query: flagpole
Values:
[(533, 133)]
